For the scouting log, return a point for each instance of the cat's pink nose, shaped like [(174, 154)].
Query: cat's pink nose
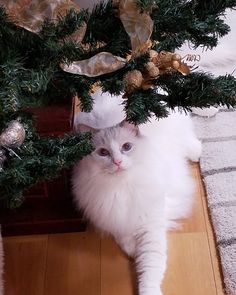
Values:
[(117, 162)]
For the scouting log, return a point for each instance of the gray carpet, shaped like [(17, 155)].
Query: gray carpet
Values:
[(218, 168)]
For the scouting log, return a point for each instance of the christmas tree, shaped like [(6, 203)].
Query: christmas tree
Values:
[(125, 47)]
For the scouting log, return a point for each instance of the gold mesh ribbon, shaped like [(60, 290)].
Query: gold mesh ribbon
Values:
[(30, 14), (99, 64), (139, 26)]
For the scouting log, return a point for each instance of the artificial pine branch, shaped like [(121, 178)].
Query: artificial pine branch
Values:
[(65, 26), (198, 90), (30, 75), (193, 90), (105, 27), (40, 158), (195, 21)]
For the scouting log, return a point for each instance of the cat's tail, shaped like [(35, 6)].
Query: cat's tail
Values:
[(179, 204), (107, 111), (191, 144), (174, 225), (193, 149)]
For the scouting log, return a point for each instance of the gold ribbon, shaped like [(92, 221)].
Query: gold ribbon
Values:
[(139, 26), (99, 64), (30, 14)]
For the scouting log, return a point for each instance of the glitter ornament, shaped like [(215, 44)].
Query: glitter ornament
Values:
[(13, 136)]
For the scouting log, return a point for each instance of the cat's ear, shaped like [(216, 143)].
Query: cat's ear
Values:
[(131, 127), (84, 128)]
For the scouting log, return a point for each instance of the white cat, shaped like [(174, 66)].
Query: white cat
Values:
[(136, 184)]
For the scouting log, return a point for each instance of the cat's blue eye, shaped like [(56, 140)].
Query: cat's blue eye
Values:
[(126, 146), (103, 152)]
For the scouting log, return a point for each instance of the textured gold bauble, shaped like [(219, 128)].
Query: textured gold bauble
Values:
[(152, 69), (132, 80)]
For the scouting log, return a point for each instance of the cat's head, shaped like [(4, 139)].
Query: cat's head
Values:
[(115, 147)]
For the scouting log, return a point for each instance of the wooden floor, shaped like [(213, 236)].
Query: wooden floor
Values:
[(84, 264)]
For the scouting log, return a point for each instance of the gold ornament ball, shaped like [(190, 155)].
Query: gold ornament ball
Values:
[(176, 57), (153, 53), (165, 56), (175, 64), (133, 80), (152, 69), (13, 136)]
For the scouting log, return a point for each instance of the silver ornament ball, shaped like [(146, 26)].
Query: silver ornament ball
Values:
[(13, 136)]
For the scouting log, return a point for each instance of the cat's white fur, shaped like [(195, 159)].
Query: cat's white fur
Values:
[(107, 111), (141, 199)]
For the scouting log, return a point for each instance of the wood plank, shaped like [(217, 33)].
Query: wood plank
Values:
[(117, 276), (25, 263), (189, 265), (211, 238), (82, 263), (73, 264)]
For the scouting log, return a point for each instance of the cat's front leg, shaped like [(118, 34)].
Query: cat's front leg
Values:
[(150, 259), (127, 244)]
